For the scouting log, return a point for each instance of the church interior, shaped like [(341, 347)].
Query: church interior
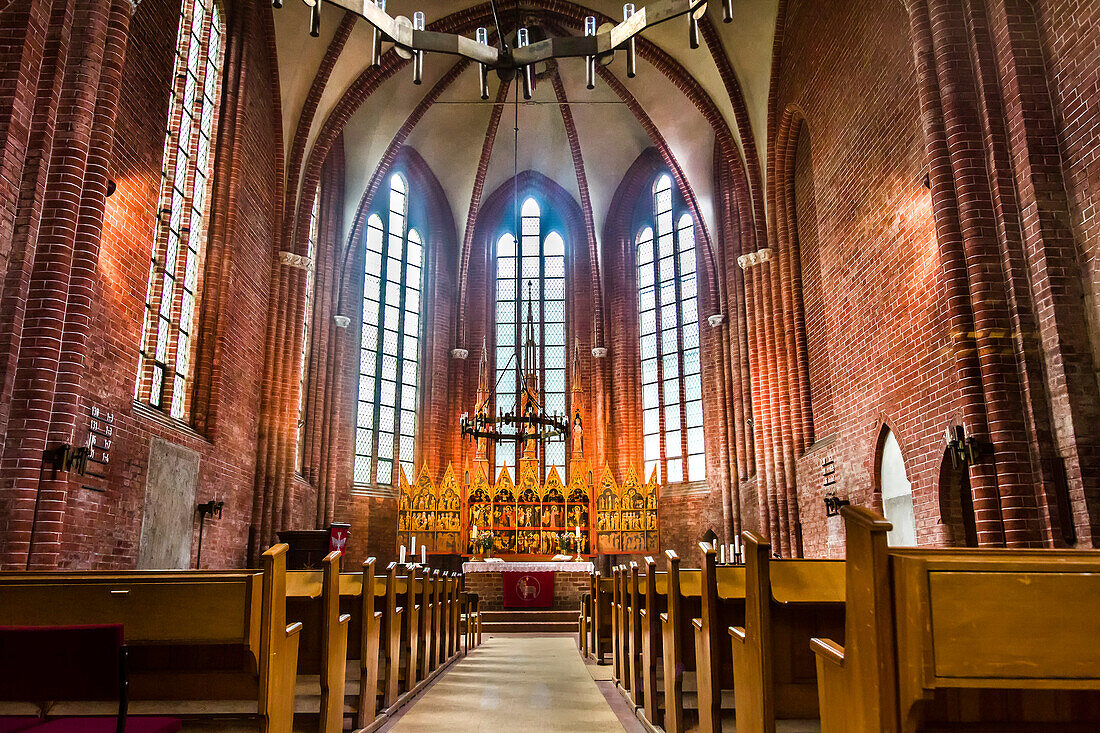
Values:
[(683, 365)]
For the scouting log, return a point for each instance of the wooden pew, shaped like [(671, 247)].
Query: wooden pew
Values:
[(600, 636), (426, 632), (787, 602), (986, 640), (472, 618), (409, 593), (392, 637), (634, 596), (618, 632), (678, 640), (456, 613), (722, 603), (584, 622), (363, 597), (191, 636), (655, 605), (313, 598)]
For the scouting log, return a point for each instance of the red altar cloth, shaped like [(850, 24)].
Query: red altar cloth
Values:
[(528, 590)]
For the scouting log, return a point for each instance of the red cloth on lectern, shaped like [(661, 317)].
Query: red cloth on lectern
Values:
[(528, 590)]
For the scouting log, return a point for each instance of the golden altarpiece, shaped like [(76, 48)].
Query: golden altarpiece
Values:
[(527, 516)]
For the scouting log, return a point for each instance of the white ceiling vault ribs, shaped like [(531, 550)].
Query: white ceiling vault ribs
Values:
[(451, 131), (747, 41)]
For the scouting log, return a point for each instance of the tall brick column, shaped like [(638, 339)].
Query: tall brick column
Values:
[(46, 389)]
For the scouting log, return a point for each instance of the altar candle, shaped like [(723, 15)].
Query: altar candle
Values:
[(733, 555), (722, 554), (423, 554), (473, 532), (402, 554), (737, 545), (413, 550), (578, 531)]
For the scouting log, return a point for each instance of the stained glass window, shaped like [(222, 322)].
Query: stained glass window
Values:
[(668, 321), (389, 356), (531, 270), (307, 325), (164, 368)]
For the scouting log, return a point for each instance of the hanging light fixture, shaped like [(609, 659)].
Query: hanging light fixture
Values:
[(413, 40)]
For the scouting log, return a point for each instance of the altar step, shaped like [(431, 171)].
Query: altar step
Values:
[(529, 622)]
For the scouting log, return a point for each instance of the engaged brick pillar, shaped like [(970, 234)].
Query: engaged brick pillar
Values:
[(38, 498)]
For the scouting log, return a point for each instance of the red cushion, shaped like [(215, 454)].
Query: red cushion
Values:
[(103, 724), (13, 724)]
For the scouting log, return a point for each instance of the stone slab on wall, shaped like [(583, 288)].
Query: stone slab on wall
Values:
[(169, 520)]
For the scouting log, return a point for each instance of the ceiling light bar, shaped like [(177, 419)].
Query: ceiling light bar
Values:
[(413, 40)]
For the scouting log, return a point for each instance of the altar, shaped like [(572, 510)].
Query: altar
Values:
[(554, 586)]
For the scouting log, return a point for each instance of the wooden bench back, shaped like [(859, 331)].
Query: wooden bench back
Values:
[(154, 609), (924, 621), (787, 602), (164, 614), (999, 619)]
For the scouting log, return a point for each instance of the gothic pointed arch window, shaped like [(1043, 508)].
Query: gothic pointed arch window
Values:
[(668, 317), (172, 298), (389, 357), (530, 273)]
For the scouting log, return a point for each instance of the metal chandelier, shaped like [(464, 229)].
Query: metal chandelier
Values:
[(412, 41)]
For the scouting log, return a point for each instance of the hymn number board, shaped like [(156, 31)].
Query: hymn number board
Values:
[(101, 437)]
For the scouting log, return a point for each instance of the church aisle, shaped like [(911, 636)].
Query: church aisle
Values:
[(514, 683)]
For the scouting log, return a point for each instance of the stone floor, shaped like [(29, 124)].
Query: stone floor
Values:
[(515, 683)]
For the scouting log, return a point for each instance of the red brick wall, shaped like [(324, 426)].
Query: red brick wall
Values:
[(1069, 32), (814, 294), (877, 342), (102, 529)]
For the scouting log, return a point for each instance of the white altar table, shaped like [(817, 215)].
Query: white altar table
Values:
[(527, 567), (486, 579)]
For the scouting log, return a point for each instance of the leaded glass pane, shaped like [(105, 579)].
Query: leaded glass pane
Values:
[(388, 396), (675, 470), (673, 449), (697, 467), (384, 474), (695, 440), (671, 391), (694, 413), (672, 418), (362, 469)]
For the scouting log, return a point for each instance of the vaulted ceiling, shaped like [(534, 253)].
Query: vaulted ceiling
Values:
[(318, 80)]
